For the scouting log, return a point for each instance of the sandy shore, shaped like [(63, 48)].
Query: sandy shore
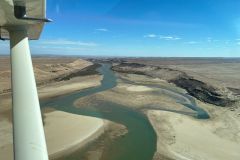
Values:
[(182, 137), (65, 87), (185, 138), (138, 88), (64, 132), (78, 130), (142, 97), (67, 132)]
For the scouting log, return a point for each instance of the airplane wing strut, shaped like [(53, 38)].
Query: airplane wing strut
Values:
[(18, 25)]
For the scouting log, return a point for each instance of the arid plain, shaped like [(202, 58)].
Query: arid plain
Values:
[(214, 85), (161, 88)]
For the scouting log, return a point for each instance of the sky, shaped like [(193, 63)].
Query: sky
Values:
[(148, 28)]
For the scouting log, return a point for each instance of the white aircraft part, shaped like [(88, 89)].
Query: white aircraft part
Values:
[(29, 139), (35, 8)]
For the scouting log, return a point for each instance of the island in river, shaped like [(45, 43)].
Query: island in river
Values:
[(138, 109)]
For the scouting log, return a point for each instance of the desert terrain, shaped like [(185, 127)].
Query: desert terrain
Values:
[(214, 85), (65, 132), (192, 105)]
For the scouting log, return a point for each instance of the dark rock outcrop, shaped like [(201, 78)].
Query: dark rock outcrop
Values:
[(90, 70), (194, 87), (202, 91)]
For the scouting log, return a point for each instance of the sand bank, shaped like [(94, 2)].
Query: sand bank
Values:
[(67, 132), (64, 133), (78, 130), (136, 88), (185, 138), (65, 87)]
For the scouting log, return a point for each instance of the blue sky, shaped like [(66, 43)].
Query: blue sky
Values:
[(164, 28)]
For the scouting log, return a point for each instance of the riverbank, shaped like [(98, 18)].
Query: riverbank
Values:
[(185, 138), (66, 132), (139, 131), (135, 101), (180, 135), (65, 87), (197, 85), (78, 130)]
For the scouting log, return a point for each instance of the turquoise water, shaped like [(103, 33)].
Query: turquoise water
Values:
[(186, 100), (140, 141)]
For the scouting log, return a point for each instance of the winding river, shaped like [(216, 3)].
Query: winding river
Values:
[(140, 141)]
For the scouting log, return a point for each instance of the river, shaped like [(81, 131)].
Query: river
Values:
[(140, 141)]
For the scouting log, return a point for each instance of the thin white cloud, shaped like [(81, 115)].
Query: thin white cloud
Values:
[(162, 37), (150, 36), (68, 42), (102, 29), (169, 37)]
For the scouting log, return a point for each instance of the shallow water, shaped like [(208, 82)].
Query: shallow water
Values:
[(181, 98)]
